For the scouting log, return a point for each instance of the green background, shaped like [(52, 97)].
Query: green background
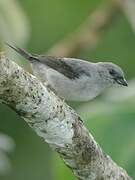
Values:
[(111, 120)]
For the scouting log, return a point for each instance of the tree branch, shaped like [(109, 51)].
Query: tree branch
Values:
[(56, 123)]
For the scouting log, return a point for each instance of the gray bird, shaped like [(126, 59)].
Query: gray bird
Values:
[(74, 79)]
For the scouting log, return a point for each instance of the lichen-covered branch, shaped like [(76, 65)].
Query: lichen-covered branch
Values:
[(59, 125), (89, 33)]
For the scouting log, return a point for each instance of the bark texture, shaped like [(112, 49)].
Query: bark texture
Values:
[(59, 125)]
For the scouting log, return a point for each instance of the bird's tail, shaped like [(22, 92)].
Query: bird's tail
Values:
[(22, 52)]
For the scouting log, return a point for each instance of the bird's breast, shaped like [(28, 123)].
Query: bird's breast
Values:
[(81, 89)]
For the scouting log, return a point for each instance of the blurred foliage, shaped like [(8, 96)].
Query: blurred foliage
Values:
[(6, 146), (117, 45), (52, 20), (14, 26), (13, 22), (110, 118)]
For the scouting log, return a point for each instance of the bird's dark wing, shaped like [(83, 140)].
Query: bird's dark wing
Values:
[(69, 68)]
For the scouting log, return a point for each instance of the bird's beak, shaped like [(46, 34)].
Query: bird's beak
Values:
[(122, 82)]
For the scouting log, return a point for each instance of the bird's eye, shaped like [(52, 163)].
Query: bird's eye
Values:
[(112, 72)]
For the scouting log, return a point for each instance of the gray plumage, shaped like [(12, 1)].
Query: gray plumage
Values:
[(74, 79)]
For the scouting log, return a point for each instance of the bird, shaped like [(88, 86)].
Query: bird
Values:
[(74, 79)]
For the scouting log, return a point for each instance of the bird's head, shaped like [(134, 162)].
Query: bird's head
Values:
[(112, 73)]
